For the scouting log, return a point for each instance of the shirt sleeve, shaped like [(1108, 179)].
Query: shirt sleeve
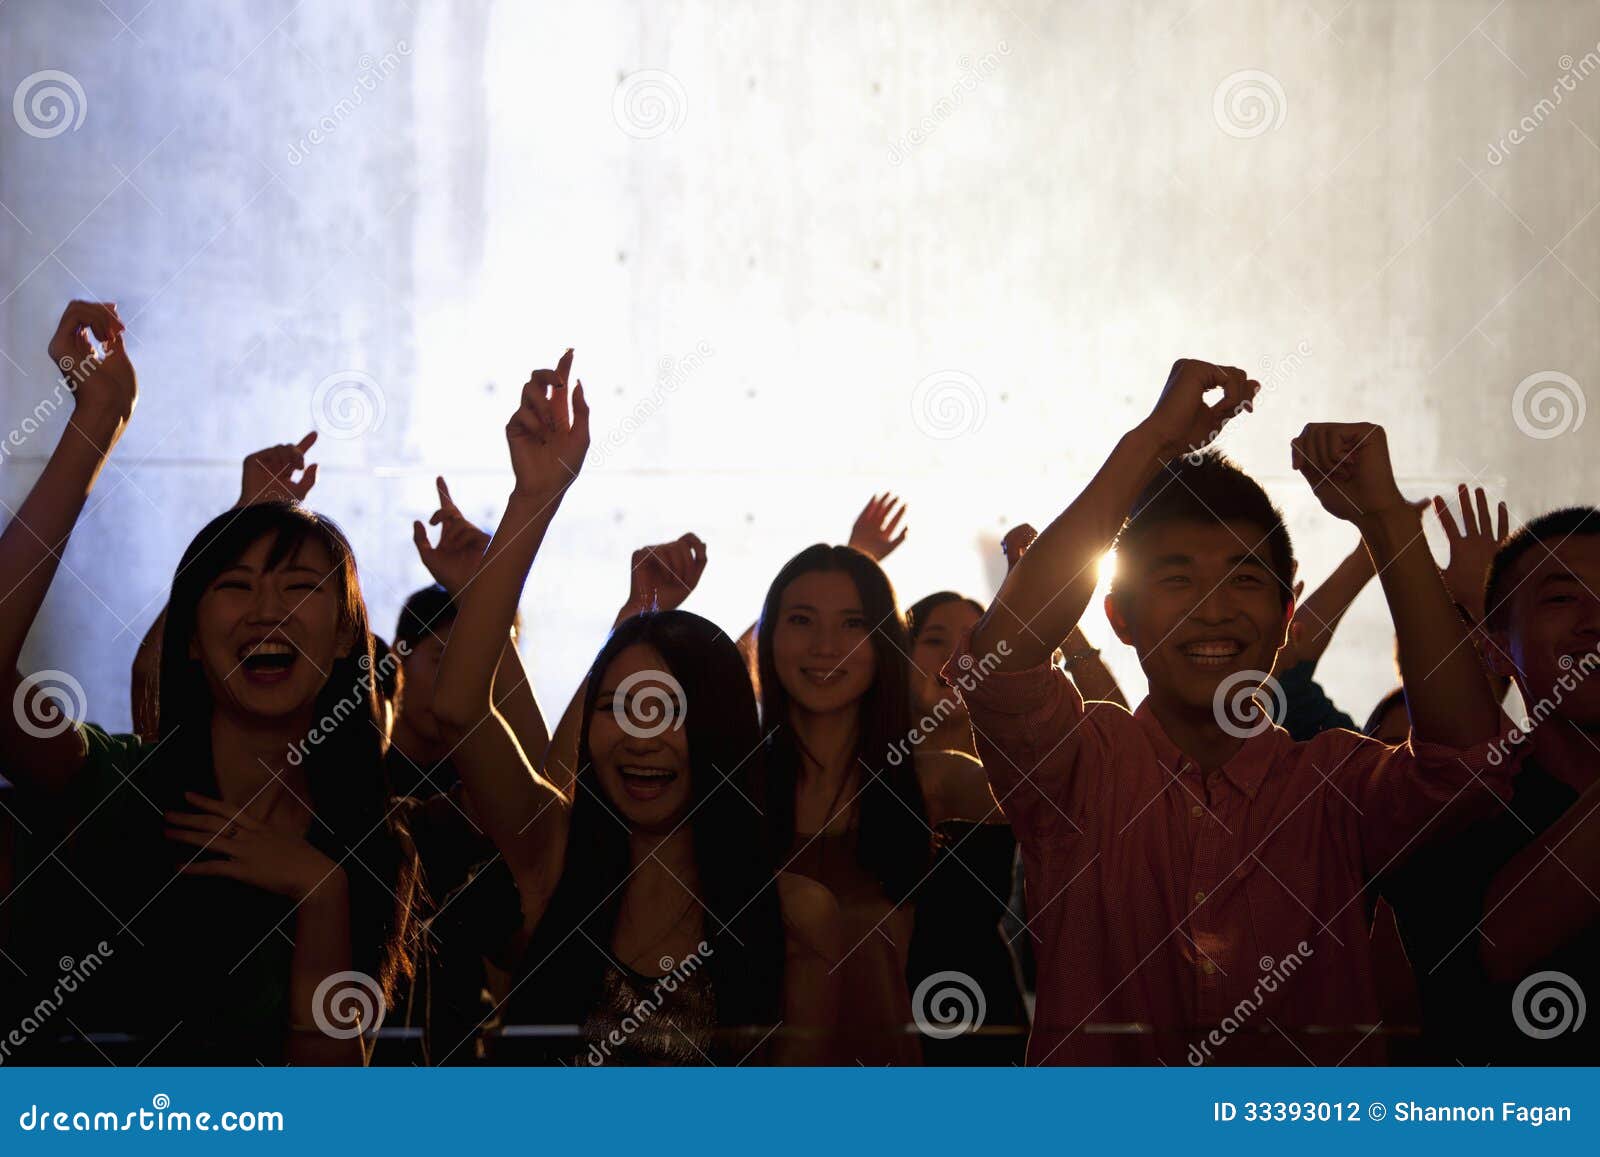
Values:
[(1412, 796), (1035, 737)]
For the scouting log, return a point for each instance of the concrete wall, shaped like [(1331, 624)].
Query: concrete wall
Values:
[(805, 252)]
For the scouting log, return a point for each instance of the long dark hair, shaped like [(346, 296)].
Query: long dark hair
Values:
[(345, 772), (917, 613), (735, 881), (892, 841)]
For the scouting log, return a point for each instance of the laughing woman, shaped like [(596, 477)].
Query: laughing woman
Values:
[(647, 886), (240, 871), (853, 790)]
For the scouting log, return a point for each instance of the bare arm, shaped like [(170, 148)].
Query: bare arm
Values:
[(1092, 677), (321, 949), (105, 392), (1319, 613), (814, 942), (1045, 594)]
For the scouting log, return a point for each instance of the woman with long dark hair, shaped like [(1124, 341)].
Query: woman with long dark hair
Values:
[(245, 863), (642, 908), (852, 789)]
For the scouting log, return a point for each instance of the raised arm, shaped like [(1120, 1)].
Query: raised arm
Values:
[(452, 564), (1318, 614), (1093, 678), (660, 578), (1447, 689), (523, 812), (1044, 596), (38, 751)]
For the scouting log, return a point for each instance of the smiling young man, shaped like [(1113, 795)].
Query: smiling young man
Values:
[(1194, 875), (1502, 921)]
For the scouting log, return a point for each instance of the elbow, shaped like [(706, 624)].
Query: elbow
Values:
[(457, 714)]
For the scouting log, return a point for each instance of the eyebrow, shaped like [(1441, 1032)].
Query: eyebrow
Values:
[(1560, 576), (813, 610)]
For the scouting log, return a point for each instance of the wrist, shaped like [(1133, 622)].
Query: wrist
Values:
[(329, 894), (100, 425), (1387, 530), (1152, 444)]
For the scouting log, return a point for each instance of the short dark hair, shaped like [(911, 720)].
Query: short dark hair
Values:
[(1207, 487), (1548, 531), (426, 611)]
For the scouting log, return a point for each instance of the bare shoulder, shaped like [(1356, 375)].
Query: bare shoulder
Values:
[(810, 914)]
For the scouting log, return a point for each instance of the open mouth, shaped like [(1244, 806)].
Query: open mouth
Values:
[(646, 783), (823, 676), (1213, 653), (267, 660)]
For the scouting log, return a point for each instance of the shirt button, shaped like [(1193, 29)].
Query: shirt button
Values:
[(1197, 811), (1199, 896), (1209, 968)]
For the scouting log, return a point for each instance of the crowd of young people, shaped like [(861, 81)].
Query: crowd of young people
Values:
[(851, 835)]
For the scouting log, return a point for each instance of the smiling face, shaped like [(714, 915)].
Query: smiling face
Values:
[(266, 637), (821, 644), (937, 636), (1198, 602), (638, 741), (1551, 628)]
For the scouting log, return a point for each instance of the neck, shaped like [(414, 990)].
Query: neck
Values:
[(1195, 732), (954, 733), (827, 741), (655, 856), (251, 757), (1568, 751)]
